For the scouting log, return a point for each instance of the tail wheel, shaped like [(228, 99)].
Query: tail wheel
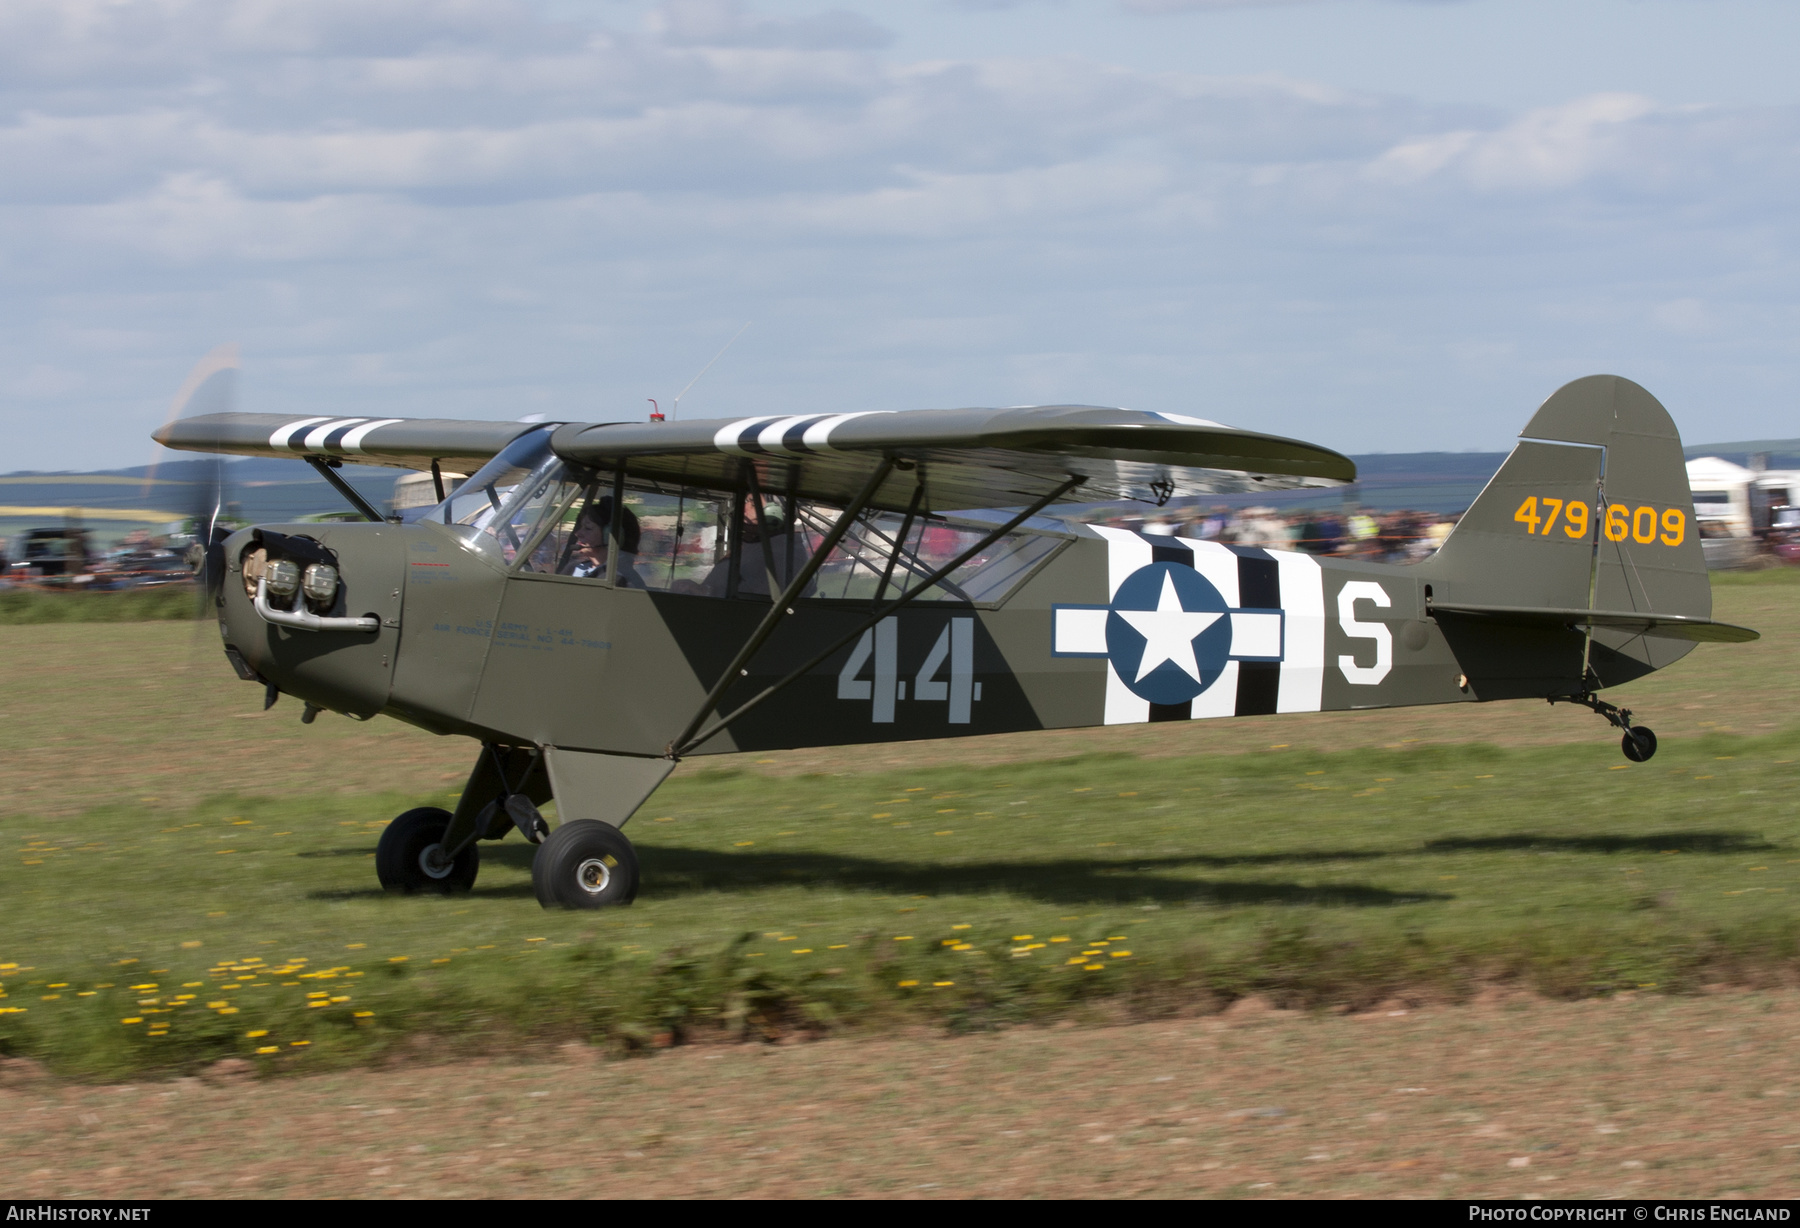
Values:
[(1639, 743), (405, 859), (585, 864)]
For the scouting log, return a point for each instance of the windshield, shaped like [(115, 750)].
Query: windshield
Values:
[(496, 507)]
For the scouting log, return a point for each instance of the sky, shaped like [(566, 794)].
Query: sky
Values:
[(1381, 225)]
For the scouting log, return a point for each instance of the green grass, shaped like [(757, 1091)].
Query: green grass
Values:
[(23, 606), (838, 902), (1776, 576)]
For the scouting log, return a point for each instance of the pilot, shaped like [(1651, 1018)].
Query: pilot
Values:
[(587, 556)]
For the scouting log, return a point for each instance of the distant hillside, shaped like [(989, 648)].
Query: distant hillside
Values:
[(1782, 453), (115, 501)]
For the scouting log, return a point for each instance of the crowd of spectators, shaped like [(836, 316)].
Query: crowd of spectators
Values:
[(1377, 537)]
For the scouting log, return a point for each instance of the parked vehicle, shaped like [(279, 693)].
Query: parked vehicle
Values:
[(57, 555)]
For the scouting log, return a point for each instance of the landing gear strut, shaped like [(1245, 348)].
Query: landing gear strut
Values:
[(1638, 742)]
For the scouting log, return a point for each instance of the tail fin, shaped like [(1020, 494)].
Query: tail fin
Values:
[(1591, 513)]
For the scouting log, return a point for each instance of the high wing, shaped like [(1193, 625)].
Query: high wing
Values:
[(405, 443), (966, 458)]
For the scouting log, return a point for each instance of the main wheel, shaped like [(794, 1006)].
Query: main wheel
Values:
[(400, 858), (585, 864), (1639, 743)]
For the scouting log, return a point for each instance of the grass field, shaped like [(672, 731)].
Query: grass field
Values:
[(25, 607), (190, 879)]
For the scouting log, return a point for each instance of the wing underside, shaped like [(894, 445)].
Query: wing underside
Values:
[(404, 443), (964, 458)]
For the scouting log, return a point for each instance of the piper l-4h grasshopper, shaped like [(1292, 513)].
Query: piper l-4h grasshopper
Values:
[(600, 600)]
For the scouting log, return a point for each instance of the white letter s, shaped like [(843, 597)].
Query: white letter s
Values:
[(1348, 596)]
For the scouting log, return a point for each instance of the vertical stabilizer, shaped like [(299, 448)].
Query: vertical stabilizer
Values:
[(1590, 512)]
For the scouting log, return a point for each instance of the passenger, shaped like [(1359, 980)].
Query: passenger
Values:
[(588, 544), (753, 572)]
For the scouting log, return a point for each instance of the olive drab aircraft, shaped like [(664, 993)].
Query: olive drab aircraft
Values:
[(600, 600)]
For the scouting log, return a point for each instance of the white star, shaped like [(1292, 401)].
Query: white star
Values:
[(1168, 632)]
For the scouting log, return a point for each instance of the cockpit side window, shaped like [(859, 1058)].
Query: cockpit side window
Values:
[(671, 540), (691, 542)]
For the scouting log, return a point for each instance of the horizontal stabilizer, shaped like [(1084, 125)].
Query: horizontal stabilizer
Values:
[(1664, 626)]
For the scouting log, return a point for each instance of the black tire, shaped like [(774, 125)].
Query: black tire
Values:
[(400, 856), (585, 864), (1638, 744)]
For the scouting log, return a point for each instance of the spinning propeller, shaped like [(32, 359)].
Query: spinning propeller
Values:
[(210, 388)]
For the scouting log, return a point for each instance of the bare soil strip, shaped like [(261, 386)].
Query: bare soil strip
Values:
[(1506, 1098)]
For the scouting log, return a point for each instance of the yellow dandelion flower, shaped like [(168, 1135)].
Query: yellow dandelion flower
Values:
[(133, 1019), (907, 984), (942, 984), (256, 1033), (269, 1049), (364, 1014), (299, 1044)]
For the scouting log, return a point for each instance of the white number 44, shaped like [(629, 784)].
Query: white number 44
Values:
[(956, 643)]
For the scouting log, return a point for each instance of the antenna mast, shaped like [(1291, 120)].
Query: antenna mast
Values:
[(675, 409)]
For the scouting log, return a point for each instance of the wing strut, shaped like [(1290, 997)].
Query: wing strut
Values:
[(783, 604), (326, 471), (689, 740)]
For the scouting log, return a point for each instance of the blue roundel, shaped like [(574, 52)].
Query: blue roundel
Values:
[(1168, 634)]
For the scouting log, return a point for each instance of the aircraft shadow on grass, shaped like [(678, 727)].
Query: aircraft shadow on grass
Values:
[(1656, 842), (670, 872)]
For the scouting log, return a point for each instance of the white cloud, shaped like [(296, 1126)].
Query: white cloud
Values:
[(1549, 148)]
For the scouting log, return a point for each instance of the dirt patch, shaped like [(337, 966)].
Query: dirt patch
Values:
[(1507, 1098)]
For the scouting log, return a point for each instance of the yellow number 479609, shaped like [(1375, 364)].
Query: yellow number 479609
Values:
[(1541, 513)]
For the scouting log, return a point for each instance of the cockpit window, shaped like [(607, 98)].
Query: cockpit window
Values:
[(498, 508), (695, 543), (866, 554)]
